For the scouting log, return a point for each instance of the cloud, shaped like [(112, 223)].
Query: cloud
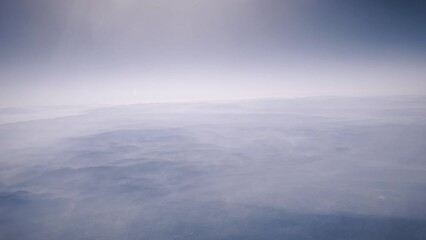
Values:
[(331, 168)]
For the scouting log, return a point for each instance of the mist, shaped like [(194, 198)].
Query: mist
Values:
[(125, 52), (212, 119)]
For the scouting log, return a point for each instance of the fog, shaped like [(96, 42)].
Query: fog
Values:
[(302, 168), (209, 119)]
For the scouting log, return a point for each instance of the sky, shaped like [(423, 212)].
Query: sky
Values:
[(77, 52)]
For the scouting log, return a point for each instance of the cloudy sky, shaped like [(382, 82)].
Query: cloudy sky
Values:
[(129, 51)]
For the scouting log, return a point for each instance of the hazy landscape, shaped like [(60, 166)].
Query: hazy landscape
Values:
[(212, 120), (303, 168)]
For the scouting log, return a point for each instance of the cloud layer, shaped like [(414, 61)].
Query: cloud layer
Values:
[(329, 168)]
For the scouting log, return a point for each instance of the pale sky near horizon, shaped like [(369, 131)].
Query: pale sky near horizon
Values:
[(131, 51)]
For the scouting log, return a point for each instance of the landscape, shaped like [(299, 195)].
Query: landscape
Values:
[(306, 168), (212, 120)]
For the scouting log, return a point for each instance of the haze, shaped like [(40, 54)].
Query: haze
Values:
[(115, 52), (212, 119)]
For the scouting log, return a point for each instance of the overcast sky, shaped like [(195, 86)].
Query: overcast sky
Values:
[(129, 51)]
